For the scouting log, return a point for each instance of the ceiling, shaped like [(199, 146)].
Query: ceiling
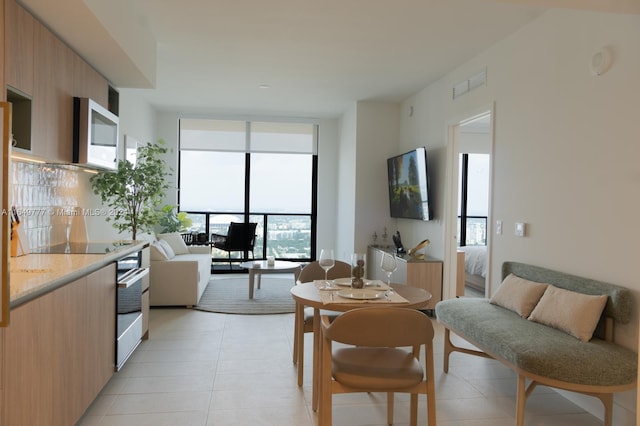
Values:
[(298, 58)]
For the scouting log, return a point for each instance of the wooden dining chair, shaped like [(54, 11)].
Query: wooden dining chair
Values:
[(382, 354), (303, 322)]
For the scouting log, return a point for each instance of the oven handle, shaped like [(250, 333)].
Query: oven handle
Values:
[(131, 277)]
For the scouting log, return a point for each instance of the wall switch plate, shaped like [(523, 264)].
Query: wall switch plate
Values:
[(498, 227), (520, 228)]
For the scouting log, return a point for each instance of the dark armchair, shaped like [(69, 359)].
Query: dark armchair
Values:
[(240, 237)]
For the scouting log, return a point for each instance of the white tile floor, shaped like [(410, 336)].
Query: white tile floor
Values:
[(201, 368)]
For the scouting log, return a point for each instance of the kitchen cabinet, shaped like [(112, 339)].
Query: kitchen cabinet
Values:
[(89, 83), (19, 66), (44, 71), (59, 351), (426, 273)]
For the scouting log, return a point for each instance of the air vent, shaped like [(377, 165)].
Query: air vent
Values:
[(476, 80)]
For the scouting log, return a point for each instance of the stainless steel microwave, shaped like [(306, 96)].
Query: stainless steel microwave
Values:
[(95, 134)]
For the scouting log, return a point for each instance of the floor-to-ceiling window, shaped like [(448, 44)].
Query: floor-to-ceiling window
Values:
[(251, 171), (473, 209)]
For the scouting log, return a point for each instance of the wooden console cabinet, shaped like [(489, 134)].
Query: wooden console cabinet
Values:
[(426, 274)]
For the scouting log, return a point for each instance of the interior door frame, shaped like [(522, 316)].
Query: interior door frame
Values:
[(451, 199)]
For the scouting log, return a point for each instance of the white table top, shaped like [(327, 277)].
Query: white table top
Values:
[(279, 265)]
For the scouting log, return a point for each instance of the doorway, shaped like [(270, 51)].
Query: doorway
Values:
[(468, 210)]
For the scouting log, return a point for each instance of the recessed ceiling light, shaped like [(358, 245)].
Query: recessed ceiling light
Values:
[(264, 86)]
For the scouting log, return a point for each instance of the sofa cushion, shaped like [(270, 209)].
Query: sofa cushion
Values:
[(156, 252), (572, 312), (175, 241), (518, 295), (167, 249)]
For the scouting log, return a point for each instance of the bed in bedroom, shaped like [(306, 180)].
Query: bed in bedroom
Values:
[(475, 266)]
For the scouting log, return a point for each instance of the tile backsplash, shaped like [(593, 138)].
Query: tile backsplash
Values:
[(46, 197)]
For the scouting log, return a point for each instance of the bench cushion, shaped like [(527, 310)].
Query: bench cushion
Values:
[(536, 348)]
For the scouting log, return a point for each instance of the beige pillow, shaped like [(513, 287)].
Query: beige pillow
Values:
[(167, 249), (574, 313), (156, 252), (518, 295), (176, 242)]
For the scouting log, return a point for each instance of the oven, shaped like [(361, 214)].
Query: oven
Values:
[(130, 292)]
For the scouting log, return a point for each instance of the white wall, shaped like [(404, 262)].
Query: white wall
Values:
[(566, 150), (376, 140), (328, 147), (346, 185)]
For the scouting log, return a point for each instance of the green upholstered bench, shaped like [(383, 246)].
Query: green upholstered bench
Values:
[(542, 354)]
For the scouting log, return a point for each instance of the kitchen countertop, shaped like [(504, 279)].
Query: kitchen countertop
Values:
[(33, 275)]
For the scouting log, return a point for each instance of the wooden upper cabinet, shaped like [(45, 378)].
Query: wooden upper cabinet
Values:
[(19, 32), (89, 83), (64, 81), (49, 72), (45, 114)]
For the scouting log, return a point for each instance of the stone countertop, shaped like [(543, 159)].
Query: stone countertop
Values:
[(33, 275)]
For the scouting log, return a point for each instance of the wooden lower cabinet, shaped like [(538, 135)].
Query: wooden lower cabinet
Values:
[(59, 352), (426, 274)]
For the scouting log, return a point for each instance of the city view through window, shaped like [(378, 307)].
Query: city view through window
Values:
[(287, 236)]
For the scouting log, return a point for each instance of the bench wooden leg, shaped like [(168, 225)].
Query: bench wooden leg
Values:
[(607, 401), (521, 399), (448, 348)]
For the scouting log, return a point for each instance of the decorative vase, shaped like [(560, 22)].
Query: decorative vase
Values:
[(358, 265)]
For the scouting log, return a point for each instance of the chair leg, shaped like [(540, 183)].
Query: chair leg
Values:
[(326, 395), (295, 334), (301, 355), (389, 408), (414, 410)]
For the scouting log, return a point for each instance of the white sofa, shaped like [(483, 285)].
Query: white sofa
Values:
[(178, 274)]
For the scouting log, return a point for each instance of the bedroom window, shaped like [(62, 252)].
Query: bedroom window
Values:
[(473, 208)]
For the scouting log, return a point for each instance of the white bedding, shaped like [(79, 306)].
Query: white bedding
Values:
[(475, 260)]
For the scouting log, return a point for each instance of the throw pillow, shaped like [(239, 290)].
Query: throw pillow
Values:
[(518, 295), (176, 242), (574, 313), (167, 249), (156, 252)]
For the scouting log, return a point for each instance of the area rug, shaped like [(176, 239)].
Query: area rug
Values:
[(231, 296)]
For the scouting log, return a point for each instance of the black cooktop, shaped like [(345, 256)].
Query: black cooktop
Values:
[(81, 248)]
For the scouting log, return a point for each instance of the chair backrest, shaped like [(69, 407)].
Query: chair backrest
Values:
[(313, 271), (381, 327), (241, 236)]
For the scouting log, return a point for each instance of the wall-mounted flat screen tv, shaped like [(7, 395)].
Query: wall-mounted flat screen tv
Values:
[(409, 185)]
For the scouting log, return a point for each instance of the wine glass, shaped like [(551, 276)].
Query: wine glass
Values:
[(388, 265), (326, 262)]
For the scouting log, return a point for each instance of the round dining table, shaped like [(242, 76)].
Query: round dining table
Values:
[(308, 294)]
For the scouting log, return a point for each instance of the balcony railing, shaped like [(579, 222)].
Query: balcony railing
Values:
[(287, 236)]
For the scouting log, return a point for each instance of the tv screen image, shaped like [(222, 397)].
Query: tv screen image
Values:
[(409, 185)]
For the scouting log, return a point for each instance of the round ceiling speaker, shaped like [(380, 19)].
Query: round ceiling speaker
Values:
[(601, 61)]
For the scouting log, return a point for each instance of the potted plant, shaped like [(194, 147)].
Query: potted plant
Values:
[(134, 192), (173, 221)]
